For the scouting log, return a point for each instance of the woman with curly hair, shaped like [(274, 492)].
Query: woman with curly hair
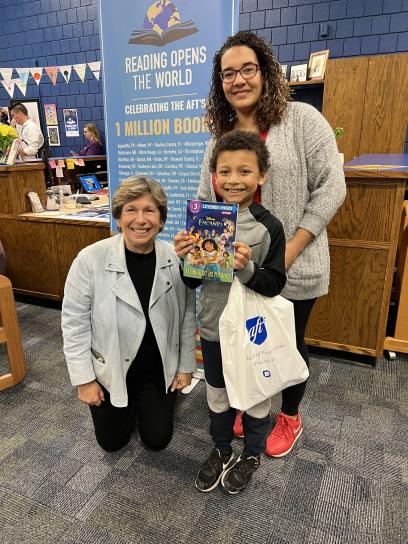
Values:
[(304, 188)]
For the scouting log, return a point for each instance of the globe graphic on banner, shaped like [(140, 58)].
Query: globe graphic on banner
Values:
[(162, 24), (161, 15)]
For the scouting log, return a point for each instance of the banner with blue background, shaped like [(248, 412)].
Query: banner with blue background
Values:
[(157, 65)]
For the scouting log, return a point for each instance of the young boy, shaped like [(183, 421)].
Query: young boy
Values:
[(240, 161)]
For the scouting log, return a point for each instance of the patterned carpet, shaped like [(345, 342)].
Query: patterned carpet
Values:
[(345, 482)]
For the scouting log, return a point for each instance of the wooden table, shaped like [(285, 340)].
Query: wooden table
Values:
[(46, 254), (39, 247), (363, 238)]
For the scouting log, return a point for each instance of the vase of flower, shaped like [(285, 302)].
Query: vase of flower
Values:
[(7, 136)]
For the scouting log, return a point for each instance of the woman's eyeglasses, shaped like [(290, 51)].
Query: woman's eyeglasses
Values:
[(247, 72)]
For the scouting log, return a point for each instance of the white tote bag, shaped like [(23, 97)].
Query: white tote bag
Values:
[(258, 346)]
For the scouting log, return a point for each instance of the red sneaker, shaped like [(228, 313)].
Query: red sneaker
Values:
[(238, 427), (283, 436)]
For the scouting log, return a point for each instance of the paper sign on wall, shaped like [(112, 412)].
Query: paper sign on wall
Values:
[(71, 123)]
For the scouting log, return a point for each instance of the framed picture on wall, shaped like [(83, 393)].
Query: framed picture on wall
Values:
[(284, 68), (317, 64), (298, 72), (53, 136), (50, 111)]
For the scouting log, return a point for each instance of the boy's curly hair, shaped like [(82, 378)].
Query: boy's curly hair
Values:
[(275, 95), (241, 140)]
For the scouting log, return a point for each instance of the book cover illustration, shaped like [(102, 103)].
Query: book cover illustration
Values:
[(213, 227)]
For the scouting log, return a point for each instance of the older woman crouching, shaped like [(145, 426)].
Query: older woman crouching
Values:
[(128, 323)]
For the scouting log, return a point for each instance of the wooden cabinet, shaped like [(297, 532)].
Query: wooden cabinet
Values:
[(363, 238), (39, 249), (52, 246), (15, 182), (367, 96)]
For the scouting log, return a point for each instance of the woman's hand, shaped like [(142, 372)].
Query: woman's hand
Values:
[(290, 254), (242, 255), (91, 393), (181, 380), (183, 243), (296, 245)]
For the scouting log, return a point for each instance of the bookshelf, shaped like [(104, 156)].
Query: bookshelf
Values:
[(306, 83)]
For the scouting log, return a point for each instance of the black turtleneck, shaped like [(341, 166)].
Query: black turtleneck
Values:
[(141, 268)]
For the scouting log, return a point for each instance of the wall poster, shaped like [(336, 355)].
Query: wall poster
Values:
[(50, 111), (71, 123), (53, 136), (157, 67)]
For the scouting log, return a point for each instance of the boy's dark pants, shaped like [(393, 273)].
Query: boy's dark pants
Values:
[(222, 416)]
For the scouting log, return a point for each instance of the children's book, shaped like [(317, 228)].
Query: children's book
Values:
[(213, 225)]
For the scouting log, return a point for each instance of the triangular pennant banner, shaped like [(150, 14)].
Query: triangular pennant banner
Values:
[(96, 68), (9, 86), (20, 84), (52, 72), (24, 74), (37, 74), (6, 73), (80, 69), (66, 72)]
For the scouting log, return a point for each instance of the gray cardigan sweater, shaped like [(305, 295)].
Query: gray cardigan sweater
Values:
[(305, 188)]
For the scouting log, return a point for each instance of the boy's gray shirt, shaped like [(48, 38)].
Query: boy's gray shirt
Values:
[(304, 146), (264, 273)]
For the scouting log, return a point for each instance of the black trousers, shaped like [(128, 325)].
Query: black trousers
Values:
[(292, 396), (221, 423), (148, 404)]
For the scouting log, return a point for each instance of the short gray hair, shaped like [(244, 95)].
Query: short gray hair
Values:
[(135, 187)]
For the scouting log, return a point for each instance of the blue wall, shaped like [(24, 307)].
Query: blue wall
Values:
[(355, 27), (59, 32), (54, 33)]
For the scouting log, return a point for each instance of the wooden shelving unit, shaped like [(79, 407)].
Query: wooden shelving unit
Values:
[(308, 82)]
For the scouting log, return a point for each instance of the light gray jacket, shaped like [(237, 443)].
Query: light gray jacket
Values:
[(103, 323), (305, 188)]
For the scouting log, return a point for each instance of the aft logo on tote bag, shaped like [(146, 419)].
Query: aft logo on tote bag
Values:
[(256, 330)]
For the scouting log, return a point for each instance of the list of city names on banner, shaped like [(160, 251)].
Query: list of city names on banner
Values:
[(176, 165), (175, 161), (157, 68)]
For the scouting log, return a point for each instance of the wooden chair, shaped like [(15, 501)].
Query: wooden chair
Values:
[(10, 334), (399, 342)]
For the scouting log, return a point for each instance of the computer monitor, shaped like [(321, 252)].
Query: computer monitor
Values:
[(90, 183)]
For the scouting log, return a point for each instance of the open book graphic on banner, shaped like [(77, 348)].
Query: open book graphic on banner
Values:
[(213, 227), (170, 34)]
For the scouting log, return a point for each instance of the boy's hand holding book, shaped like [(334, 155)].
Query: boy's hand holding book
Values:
[(242, 255)]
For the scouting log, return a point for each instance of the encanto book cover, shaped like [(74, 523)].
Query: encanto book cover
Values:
[(213, 225)]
